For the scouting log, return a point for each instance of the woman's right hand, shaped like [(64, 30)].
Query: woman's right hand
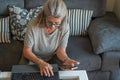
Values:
[(46, 69)]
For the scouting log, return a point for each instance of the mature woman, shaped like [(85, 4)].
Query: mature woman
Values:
[(47, 37)]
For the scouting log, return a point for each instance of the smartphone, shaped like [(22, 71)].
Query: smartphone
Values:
[(75, 67), (65, 67)]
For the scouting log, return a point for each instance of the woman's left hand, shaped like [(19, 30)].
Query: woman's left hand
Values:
[(70, 63)]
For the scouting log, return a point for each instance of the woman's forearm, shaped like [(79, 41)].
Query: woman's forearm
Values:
[(31, 56), (62, 55)]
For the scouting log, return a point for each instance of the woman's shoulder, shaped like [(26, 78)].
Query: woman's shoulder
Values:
[(32, 23), (65, 27)]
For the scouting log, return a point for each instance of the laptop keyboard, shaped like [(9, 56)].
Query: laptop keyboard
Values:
[(34, 76)]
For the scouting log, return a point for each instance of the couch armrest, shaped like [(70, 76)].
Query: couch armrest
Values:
[(10, 54), (104, 33), (111, 61)]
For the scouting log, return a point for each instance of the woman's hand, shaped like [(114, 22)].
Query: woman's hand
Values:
[(70, 63), (46, 69)]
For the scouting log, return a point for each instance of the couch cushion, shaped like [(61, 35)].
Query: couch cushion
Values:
[(80, 49), (10, 54), (98, 75), (115, 75), (98, 6), (5, 3)]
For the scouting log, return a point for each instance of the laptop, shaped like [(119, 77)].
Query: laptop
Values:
[(32, 72)]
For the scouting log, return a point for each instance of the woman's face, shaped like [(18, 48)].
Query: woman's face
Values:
[(52, 23)]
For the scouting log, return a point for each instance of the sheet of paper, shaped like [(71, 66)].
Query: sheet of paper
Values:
[(73, 75), (5, 75)]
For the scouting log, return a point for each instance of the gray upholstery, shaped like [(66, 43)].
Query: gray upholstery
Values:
[(111, 61), (10, 54), (80, 49), (5, 3), (98, 75), (98, 6), (115, 75), (33, 3), (104, 33)]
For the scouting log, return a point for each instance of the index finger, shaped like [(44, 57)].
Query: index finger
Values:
[(76, 62), (51, 72)]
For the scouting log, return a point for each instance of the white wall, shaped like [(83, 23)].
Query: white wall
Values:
[(116, 8), (110, 5)]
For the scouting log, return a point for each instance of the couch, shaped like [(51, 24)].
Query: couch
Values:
[(98, 51)]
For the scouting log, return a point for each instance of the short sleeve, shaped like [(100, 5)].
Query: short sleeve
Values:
[(64, 38), (28, 40)]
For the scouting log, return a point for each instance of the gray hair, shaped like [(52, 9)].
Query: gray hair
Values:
[(55, 8)]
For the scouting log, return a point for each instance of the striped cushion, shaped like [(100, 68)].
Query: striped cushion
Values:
[(4, 30), (79, 20)]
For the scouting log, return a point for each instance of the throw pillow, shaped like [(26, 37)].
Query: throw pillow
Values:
[(79, 20), (19, 19), (4, 30)]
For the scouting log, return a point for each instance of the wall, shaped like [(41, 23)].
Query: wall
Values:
[(110, 5), (116, 8)]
